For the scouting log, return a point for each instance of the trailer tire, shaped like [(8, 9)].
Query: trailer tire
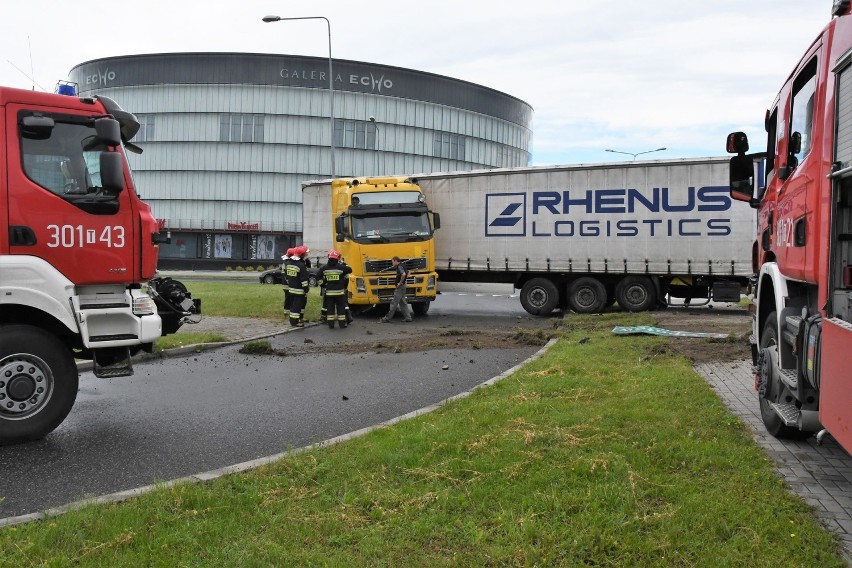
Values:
[(771, 421), (587, 295), (539, 296), (38, 383), (636, 293), (420, 308)]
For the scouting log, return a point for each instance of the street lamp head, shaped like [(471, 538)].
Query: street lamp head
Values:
[(372, 119), (268, 19)]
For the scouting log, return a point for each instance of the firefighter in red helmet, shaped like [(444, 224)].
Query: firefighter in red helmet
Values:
[(287, 297), (297, 286), (334, 276)]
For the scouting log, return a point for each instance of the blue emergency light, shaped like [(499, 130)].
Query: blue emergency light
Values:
[(66, 88)]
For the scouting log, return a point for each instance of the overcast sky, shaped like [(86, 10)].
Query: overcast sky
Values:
[(629, 75)]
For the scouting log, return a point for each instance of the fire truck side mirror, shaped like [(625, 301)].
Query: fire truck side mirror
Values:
[(436, 221), (108, 131), (112, 172)]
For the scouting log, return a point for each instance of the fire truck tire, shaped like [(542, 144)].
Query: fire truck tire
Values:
[(771, 421), (587, 295), (539, 296), (38, 383), (635, 293)]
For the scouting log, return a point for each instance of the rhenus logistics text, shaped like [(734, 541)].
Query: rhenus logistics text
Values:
[(672, 213)]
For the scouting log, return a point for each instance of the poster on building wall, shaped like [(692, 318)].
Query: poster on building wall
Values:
[(223, 246), (266, 247), (207, 246)]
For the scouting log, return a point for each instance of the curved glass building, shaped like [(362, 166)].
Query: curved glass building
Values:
[(228, 138)]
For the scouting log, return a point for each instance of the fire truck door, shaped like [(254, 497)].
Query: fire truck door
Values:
[(58, 208)]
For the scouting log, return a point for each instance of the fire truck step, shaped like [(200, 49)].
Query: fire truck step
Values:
[(788, 413), (117, 365)]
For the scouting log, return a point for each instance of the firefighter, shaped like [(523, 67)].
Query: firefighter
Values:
[(334, 277), (297, 286), (287, 297)]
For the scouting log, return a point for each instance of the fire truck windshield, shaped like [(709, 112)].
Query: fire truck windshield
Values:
[(67, 162)]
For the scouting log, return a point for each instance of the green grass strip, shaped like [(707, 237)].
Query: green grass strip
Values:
[(605, 452)]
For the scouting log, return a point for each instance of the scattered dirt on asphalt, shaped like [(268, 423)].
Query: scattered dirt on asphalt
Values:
[(428, 339), (532, 331), (735, 322)]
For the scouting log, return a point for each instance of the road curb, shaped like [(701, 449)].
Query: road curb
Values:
[(120, 496)]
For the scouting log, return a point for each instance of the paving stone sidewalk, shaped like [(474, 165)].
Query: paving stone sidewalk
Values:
[(821, 475)]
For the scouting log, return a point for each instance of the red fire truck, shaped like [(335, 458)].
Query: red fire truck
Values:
[(76, 244), (802, 188)]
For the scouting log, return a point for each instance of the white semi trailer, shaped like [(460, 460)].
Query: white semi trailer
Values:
[(585, 236)]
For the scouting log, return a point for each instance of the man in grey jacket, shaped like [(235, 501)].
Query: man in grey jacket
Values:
[(399, 300)]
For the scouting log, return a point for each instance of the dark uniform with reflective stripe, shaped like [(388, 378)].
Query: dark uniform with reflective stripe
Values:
[(287, 297), (297, 290), (334, 277)]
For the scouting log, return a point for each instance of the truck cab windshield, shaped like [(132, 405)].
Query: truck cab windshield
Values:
[(391, 228), (67, 163)]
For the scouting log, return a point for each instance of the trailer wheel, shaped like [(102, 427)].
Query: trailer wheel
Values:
[(539, 296), (587, 295), (636, 293), (38, 383), (771, 421), (420, 308)]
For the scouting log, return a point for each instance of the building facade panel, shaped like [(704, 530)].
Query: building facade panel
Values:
[(228, 138)]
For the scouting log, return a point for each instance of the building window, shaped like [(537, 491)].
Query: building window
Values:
[(241, 128), (146, 128), (359, 134), (450, 146)]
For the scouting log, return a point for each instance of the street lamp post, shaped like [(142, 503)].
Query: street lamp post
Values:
[(376, 149), (269, 19), (634, 154)]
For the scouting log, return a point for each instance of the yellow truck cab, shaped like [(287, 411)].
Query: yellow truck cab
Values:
[(371, 220)]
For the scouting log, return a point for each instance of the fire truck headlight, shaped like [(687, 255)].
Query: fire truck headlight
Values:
[(360, 286), (430, 283)]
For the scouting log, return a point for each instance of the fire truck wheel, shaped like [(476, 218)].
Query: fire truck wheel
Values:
[(539, 296), (587, 295), (38, 383), (635, 293), (771, 421)]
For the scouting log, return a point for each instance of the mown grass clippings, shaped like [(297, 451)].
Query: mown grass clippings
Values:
[(530, 337), (587, 456), (455, 332), (183, 339)]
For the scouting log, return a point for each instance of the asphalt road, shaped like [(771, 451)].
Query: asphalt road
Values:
[(179, 416)]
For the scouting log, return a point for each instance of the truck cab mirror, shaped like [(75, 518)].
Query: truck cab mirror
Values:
[(339, 237), (108, 131), (37, 127), (436, 221), (339, 225), (112, 172), (795, 143), (737, 143), (742, 178)]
